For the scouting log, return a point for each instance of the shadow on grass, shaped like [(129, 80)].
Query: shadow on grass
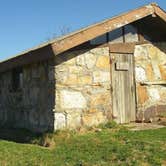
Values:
[(18, 135)]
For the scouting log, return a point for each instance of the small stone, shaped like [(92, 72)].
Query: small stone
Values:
[(156, 70), (142, 95), (100, 99), (90, 60), (154, 94), (93, 119), (75, 69), (140, 74), (149, 72), (72, 99), (153, 53), (73, 120), (163, 71), (85, 80), (92, 110), (101, 76), (72, 80), (98, 130), (80, 61), (100, 51), (103, 62), (140, 52), (149, 114), (59, 121)]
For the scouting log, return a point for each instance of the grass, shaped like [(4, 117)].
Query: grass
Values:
[(109, 145)]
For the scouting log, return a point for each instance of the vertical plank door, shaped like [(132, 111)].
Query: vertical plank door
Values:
[(123, 88)]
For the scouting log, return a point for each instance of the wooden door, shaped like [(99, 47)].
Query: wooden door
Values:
[(123, 88)]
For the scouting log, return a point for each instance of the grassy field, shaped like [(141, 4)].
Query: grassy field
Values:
[(104, 147)]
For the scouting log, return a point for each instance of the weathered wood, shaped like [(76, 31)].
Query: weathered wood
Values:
[(123, 92), (124, 47), (122, 66), (159, 12), (34, 56), (101, 28), (72, 40), (41, 54)]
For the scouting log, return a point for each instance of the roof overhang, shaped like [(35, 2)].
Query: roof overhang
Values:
[(102, 28), (67, 42)]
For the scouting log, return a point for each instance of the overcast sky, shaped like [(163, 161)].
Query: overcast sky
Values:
[(27, 23)]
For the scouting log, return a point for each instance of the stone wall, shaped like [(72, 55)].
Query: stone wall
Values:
[(73, 90), (83, 88), (69, 91), (150, 73), (30, 107)]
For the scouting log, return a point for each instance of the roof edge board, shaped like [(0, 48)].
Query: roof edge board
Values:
[(160, 12), (60, 39), (73, 39), (101, 28)]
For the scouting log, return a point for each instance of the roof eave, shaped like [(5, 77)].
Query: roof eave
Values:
[(67, 42), (101, 28)]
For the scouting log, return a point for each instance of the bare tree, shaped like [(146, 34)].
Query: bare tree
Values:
[(64, 30)]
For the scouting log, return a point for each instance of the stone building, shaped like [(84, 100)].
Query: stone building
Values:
[(113, 70)]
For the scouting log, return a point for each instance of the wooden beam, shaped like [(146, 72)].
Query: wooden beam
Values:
[(159, 12), (126, 48), (100, 29), (35, 56), (122, 48), (56, 47)]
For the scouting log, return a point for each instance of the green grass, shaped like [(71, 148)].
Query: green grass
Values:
[(111, 145)]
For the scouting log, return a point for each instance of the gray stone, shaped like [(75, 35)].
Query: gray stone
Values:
[(72, 99), (140, 74), (154, 94), (59, 121), (101, 76), (80, 61), (90, 60)]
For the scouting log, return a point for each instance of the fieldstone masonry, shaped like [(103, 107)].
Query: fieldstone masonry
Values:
[(30, 107), (83, 87), (150, 72), (73, 90), (66, 92)]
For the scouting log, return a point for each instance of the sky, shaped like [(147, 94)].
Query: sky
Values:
[(27, 23)]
